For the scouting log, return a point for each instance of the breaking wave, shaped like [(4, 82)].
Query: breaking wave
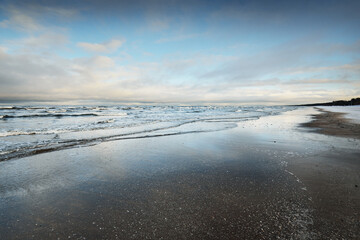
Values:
[(29, 130)]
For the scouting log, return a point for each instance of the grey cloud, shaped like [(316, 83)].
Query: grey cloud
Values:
[(29, 69), (36, 76), (279, 60), (318, 81), (20, 20), (42, 42), (105, 47), (350, 68), (161, 14), (321, 13), (32, 17)]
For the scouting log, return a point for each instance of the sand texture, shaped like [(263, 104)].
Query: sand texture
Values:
[(334, 123), (270, 178)]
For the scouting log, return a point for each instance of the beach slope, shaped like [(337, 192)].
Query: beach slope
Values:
[(265, 179)]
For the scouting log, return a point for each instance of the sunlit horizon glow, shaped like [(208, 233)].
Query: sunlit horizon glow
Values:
[(185, 52)]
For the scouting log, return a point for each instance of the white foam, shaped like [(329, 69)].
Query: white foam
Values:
[(24, 128)]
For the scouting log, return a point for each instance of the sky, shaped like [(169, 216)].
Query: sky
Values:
[(181, 52)]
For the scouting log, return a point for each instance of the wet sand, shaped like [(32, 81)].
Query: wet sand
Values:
[(333, 178), (334, 123), (266, 179)]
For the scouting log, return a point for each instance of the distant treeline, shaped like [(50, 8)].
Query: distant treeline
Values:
[(354, 101)]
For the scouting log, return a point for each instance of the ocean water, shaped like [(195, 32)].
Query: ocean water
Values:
[(29, 130)]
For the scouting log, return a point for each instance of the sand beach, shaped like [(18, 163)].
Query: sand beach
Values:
[(156, 119), (289, 176)]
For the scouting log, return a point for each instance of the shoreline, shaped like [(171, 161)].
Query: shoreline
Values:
[(332, 177), (333, 124), (266, 178)]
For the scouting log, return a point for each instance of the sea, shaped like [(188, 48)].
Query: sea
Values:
[(29, 130)]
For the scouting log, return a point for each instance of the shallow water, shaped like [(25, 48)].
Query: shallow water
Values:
[(29, 130)]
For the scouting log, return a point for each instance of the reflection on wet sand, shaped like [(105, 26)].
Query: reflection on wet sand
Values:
[(232, 184)]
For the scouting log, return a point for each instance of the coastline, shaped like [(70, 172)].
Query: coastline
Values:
[(266, 178), (332, 177), (333, 123)]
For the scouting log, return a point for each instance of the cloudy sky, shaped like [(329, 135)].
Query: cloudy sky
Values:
[(230, 52)]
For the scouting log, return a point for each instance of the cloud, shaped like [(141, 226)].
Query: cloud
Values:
[(105, 47), (177, 38), (20, 20), (263, 14), (97, 62), (351, 67), (316, 81), (284, 60), (42, 42), (48, 77), (29, 17), (157, 23)]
